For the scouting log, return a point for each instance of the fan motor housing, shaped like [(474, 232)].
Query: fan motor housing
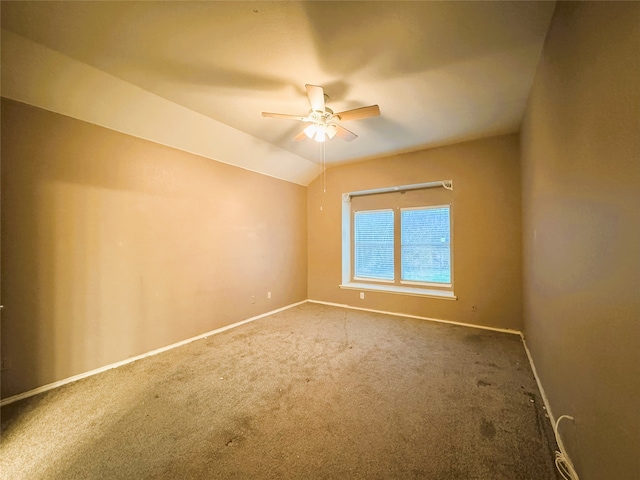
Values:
[(321, 117)]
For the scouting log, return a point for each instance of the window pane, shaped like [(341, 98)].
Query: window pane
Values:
[(373, 231), (426, 245)]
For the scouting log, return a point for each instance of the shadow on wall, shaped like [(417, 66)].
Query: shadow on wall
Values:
[(77, 235), (112, 246)]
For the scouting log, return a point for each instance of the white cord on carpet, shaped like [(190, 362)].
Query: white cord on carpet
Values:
[(563, 464)]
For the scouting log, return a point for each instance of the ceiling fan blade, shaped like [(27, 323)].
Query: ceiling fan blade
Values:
[(299, 137), (345, 134), (284, 115), (316, 97), (359, 113)]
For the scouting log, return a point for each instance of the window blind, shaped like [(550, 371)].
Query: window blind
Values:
[(426, 245), (373, 244)]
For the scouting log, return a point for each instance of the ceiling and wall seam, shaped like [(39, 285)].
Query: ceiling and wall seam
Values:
[(41, 77)]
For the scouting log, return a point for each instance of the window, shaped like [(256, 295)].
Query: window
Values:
[(398, 240), (373, 244), (426, 245)]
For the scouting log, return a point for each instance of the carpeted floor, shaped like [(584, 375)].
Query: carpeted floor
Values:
[(311, 392)]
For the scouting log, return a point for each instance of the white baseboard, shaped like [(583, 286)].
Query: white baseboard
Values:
[(74, 378), (51, 386), (450, 322), (547, 407), (80, 376), (542, 392)]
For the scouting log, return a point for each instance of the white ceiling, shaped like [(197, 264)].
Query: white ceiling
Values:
[(441, 72)]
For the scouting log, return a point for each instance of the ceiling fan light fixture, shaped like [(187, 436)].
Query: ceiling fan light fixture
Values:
[(331, 131), (319, 133), (310, 131)]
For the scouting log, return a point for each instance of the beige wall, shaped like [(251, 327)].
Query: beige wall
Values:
[(114, 246), (486, 230), (581, 225)]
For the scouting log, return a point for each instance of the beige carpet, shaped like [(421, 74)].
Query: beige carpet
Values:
[(311, 392)]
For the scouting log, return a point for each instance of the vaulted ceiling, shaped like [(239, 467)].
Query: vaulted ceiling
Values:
[(441, 72)]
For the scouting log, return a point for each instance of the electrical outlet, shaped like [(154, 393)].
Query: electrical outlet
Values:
[(253, 299), (4, 364), (268, 294), (361, 295)]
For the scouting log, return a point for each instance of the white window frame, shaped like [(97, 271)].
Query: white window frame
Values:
[(433, 290)]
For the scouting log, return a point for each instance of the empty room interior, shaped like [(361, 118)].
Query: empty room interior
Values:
[(320, 240)]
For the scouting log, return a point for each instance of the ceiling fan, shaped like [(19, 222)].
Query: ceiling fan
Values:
[(322, 119)]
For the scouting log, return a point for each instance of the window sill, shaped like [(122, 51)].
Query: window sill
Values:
[(402, 290)]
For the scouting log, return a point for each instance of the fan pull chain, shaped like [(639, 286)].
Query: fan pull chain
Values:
[(324, 168)]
